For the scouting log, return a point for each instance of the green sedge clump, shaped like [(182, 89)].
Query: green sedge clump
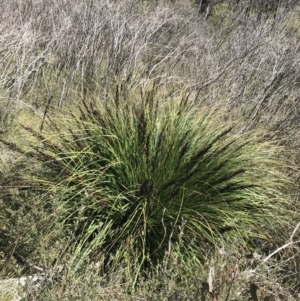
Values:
[(142, 175)]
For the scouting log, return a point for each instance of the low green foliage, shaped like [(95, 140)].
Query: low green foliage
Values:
[(235, 276), (131, 170)]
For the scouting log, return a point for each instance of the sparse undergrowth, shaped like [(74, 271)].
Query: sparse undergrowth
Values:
[(233, 275)]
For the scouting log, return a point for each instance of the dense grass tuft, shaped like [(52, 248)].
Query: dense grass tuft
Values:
[(142, 174)]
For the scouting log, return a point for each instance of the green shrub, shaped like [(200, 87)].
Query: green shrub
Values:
[(138, 173)]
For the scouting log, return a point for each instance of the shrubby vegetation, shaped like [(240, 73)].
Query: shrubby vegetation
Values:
[(149, 151)]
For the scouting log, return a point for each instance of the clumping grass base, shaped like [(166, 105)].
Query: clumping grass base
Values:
[(141, 174)]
